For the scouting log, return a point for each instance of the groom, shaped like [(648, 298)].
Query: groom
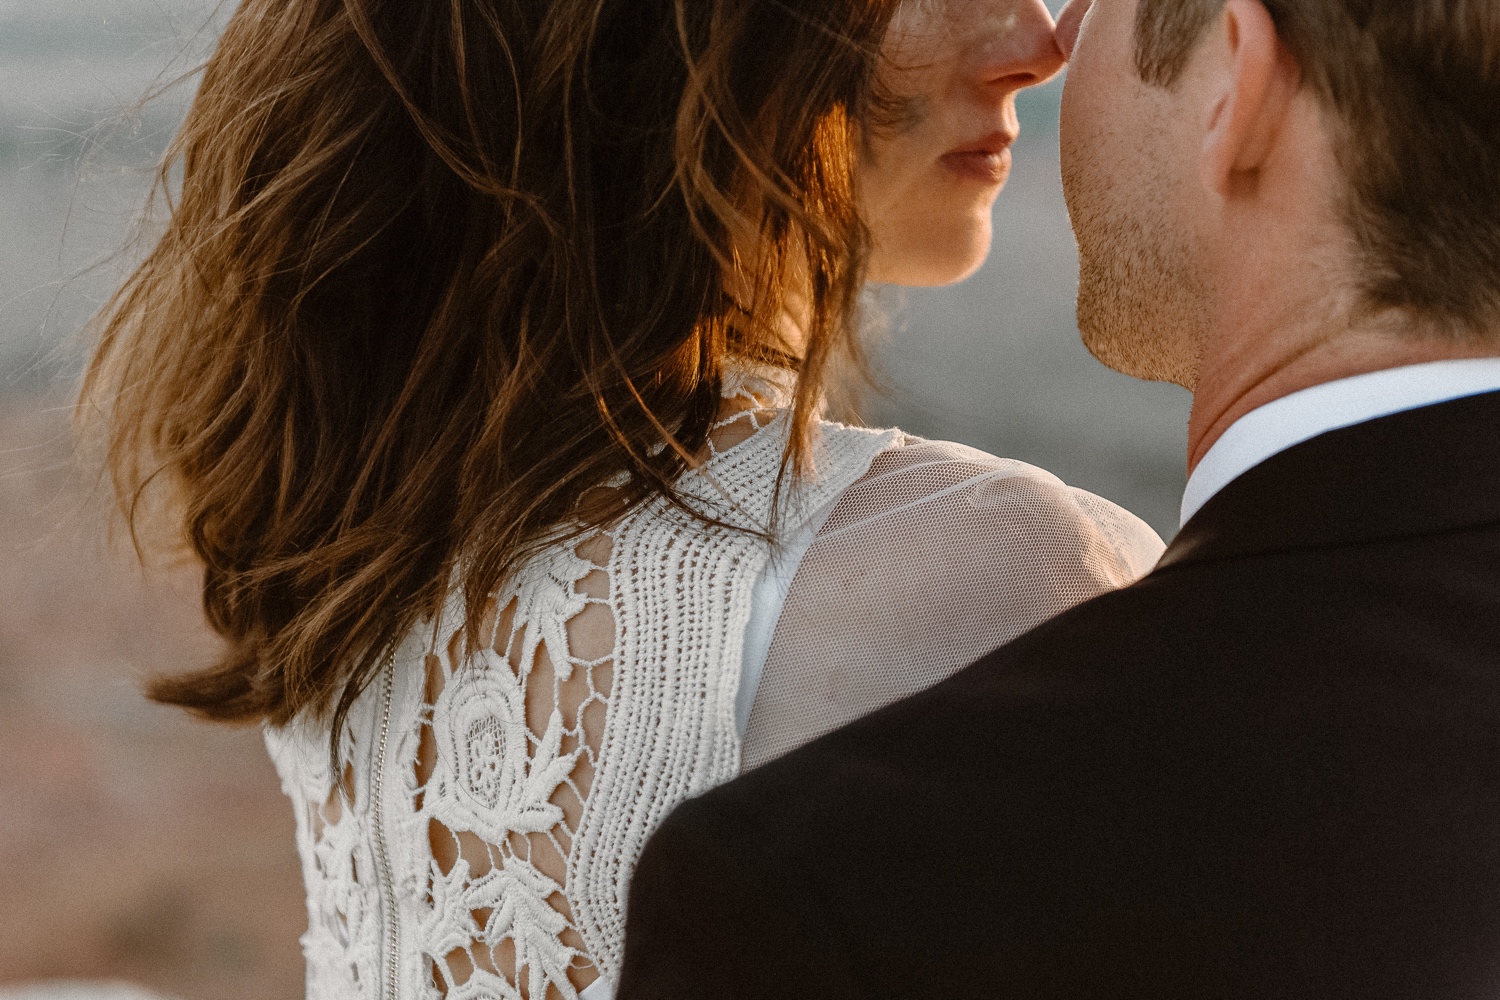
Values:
[(1271, 769)]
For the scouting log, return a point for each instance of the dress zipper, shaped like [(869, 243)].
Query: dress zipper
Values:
[(382, 855)]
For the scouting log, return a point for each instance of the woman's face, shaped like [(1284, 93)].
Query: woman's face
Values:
[(927, 182)]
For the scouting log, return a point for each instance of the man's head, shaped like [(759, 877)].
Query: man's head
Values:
[(1221, 154)]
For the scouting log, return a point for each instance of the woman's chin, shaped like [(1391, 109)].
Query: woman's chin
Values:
[(937, 257)]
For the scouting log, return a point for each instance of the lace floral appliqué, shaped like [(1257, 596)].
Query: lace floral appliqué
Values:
[(504, 764)]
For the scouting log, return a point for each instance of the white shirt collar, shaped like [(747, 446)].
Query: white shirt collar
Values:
[(1304, 415)]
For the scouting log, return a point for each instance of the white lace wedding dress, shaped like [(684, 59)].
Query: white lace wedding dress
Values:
[(492, 802)]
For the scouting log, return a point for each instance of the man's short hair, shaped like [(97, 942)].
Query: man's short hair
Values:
[(1415, 85)]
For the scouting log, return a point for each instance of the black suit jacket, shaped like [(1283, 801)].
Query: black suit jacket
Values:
[(1269, 770)]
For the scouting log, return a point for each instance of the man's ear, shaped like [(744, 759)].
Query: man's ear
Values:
[(1255, 84)]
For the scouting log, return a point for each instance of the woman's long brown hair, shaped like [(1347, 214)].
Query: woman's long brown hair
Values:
[(438, 269)]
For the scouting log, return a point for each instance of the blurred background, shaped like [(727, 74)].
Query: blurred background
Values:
[(142, 851)]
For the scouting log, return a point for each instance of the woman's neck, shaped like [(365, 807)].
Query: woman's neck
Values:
[(792, 316)]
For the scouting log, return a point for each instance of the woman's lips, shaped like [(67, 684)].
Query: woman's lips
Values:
[(986, 161)]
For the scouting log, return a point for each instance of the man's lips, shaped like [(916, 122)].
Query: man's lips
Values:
[(986, 161)]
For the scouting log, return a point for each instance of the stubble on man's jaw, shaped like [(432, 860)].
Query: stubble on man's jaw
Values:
[(1142, 303), (1140, 310)]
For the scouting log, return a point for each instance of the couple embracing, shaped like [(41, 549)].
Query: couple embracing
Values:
[(481, 365)]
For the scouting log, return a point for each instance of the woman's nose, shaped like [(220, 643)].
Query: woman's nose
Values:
[(1017, 45)]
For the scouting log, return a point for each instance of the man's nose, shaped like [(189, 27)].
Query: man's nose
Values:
[(1017, 46)]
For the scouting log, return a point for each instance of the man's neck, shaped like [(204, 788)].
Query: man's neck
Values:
[(1264, 367)]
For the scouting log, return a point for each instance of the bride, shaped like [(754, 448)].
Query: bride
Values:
[(481, 365)]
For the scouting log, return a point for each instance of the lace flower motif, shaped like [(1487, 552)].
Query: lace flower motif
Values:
[(546, 600), (489, 780), (516, 896)]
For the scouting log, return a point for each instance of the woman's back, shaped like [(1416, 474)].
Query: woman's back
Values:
[(493, 800)]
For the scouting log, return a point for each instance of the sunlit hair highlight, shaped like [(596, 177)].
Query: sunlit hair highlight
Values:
[(439, 272)]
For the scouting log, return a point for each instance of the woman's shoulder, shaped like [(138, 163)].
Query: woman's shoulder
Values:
[(937, 554), (983, 495)]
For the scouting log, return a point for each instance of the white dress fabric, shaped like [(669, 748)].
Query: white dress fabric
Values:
[(938, 555), (492, 801)]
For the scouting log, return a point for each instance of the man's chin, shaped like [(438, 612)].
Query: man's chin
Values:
[(1134, 321), (1134, 352)]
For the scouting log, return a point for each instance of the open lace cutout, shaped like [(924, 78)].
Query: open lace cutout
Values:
[(508, 749), (339, 868), (748, 407), (506, 756)]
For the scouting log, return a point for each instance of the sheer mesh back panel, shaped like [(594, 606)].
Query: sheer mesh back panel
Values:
[(938, 555)]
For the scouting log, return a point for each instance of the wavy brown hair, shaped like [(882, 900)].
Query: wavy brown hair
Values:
[(437, 270)]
